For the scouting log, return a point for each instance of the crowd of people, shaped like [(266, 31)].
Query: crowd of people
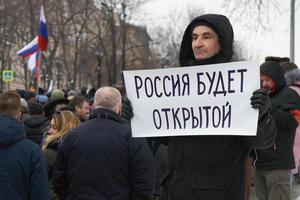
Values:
[(78, 145)]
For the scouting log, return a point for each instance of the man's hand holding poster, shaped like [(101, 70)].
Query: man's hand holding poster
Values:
[(201, 100)]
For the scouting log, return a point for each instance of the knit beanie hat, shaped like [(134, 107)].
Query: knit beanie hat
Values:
[(57, 94), (35, 108), (72, 93)]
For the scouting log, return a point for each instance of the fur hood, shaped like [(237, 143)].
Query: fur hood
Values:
[(292, 77)]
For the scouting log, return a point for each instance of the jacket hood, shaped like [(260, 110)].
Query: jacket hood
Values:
[(11, 130), (283, 97), (274, 71), (222, 26), (292, 77), (35, 121), (105, 114)]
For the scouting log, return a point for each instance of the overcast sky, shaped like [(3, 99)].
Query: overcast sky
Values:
[(259, 45)]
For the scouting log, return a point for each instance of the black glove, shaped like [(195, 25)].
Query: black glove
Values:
[(261, 100), (127, 113)]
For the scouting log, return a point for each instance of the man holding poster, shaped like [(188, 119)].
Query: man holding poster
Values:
[(211, 165)]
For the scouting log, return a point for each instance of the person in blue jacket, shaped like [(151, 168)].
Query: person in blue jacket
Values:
[(23, 173)]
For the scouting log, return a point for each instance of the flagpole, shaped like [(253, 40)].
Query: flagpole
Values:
[(37, 70), (42, 44)]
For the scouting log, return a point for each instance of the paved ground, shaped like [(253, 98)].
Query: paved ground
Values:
[(295, 193)]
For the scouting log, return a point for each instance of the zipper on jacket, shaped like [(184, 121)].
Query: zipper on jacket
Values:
[(256, 158)]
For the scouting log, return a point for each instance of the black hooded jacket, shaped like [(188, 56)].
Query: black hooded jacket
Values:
[(212, 167), (283, 100), (221, 25), (100, 160), (36, 126)]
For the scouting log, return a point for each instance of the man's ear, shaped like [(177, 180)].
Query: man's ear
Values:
[(120, 110), (77, 107), (18, 115)]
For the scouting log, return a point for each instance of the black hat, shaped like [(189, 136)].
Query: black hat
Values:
[(274, 71), (35, 108), (29, 95), (51, 106)]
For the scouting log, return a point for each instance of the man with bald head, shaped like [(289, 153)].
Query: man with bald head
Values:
[(100, 160), (108, 98)]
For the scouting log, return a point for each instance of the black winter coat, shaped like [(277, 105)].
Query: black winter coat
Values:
[(36, 126), (50, 154), (284, 100), (100, 160), (23, 173), (212, 167)]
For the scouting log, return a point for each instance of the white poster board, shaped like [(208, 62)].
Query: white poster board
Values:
[(197, 100)]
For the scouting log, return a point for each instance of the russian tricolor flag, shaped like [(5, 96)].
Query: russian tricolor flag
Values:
[(43, 35), (29, 49), (32, 62), (39, 43)]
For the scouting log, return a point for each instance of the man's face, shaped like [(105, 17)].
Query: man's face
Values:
[(205, 42), (267, 83), (83, 111), (31, 100)]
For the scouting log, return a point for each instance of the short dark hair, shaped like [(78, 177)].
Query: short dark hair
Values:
[(35, 108), (10, 103), (77, 101)]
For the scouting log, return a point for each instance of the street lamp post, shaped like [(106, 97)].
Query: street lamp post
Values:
[(113, 70), (59, 70), (97, 52), (44, 80), (98, 76), (292, 31), (124, 36), (99, 56), (72, 84), (58, 78)]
